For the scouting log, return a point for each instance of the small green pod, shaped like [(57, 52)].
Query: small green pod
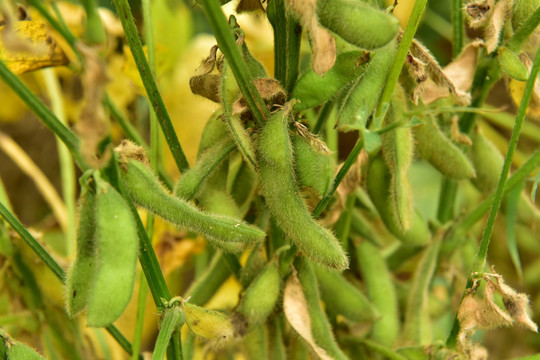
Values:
[(315, 168), (381, 291), (378, 186), (511, 64), (261, 296), (320, 327), (358, 22), (312, 89), (397, 150), (442, 153), (80, 277), (344, 298), (145, 190), (20, 351), (214, 131), (360, 98), (282, 195), (209, 324), (190, 182), (117, 245)]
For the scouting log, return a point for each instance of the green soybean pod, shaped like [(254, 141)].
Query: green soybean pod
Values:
[(261, 296), (282, 195), (209, 324), (381, 291), (344, 298), (511, 64), (358, 22), (442, 153), (378, 185), (190, 182), (312, 89), (214, 131), (314, 167), (358, 101), (80, 277), (320, 327), (397, 150), (117, 246), (145, 190)]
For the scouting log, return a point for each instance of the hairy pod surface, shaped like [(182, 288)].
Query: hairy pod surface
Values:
[(358, 22), (312, 89), (360, 98), (214, 131), (343, 298), (282, 196), (442, 153), (511, 64), (378, 185), (145, 190), (117, 247), (80, 277), (314, 168), (209, 324), (381, 291), (397, 150), (320, 327), (190, 182), (261, 296)]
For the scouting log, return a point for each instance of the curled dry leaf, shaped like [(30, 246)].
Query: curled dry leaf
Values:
[(271, 93), (455, 79), (501, 13), (296, 312), (478, 12), (129, 150), (93, 126), (323, 44), (203, 82), (28, 45), (312, 139)]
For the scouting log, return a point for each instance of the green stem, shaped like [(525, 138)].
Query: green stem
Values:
[(447, 200), (139, 324), (95, 32), (128, 129), (287, 36), (403, 49), (351, 159), (523, 33), (53, 265), (228, 47), (323, 115), (173, 319), (44, 114), (481, 256), (457, 27), (124, 13), (67, 169)]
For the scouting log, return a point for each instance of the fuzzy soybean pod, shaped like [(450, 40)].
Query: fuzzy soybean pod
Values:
[(359, 99), (381, 291), (378, 185), (145, 190), (314, 167), (282, 195), (320, 327), (117, 245), (344, 298), (80, 277), (312, 89), (214, 131), (442, 153), (397, 150), (261, 296), (209, 324), (190, 182), (358, 22)]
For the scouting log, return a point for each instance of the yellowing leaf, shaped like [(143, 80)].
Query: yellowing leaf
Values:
[(28, 45)]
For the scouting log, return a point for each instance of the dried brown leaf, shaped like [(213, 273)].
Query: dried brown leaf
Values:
[(457, 135), (270, 91), (312, 139), (297, 313), (501, 13), (129, 150), (478, 12), (203, 82)]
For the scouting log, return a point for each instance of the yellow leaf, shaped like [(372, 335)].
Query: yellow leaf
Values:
[(28, 45)]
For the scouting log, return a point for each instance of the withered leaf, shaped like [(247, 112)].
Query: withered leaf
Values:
[(501, 13), (271, 92), (478, 12), (203, 82), (457, 135)]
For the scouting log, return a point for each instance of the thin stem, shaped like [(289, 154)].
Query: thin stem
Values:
[(124, 123), (67, 169), (481, 256), (53, 265), (351, 159), (124, 13), (457, 27), (523, 33), (323, 115), (44, 114), (95, 33), (139, 323), (228, 47), (403, 49)]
